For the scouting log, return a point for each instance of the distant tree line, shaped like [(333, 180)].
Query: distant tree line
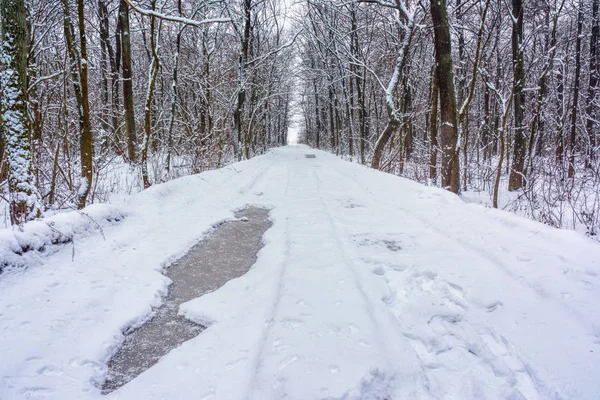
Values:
[(482, 95), (164, 87)]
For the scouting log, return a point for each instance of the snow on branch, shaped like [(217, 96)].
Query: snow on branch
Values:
[(174, 18), (383, 3), (398, 5), (43, 79), (277, 50)]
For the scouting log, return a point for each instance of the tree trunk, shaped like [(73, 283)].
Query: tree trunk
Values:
[(502, 151), (560, 145), (24, 196), (360, 96), (487, 122), (127, 82), (174, 92), (104, 68), (537, 120), (393, 119), (515, 180), (241, 96), (445, 75), (461, 93), (318, 122), (55, 167), (590, 108), (108, 61), (407, 138), (387, 133), (79, 74), (154, 67), (433, 127), (331, 116), (350, 116), (574, 109), (86, 140)]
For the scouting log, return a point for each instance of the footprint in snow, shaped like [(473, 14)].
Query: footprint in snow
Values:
[(38, 393), (590, 272), (450, 318), (352, 205), (494, 306), (233, 364), (398, 267), (389, 298), (352, 329), (392, 245), (50, 370), (378, 271), (457, 290), (427, 274), (587, 284), (286, 363), (209, 394), (292, 323)]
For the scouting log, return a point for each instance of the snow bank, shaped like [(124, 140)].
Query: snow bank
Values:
[(27, 245)]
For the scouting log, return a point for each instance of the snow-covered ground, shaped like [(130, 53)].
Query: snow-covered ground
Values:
[(369, 286)]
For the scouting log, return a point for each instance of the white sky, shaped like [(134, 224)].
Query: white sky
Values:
[(292, 135), (295, 123)]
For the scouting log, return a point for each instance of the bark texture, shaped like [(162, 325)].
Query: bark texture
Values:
[(448, 115)]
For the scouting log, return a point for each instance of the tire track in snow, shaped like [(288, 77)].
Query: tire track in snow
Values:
[(257, 178), (261, 345), (484, 254), (470, 337), (492, 347), (389, 354), (258, 175), (392, 361), (403, 213)]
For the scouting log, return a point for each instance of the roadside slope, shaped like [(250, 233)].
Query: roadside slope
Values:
[(61, 320)]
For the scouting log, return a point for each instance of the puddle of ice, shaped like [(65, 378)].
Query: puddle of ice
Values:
[(226, 254)]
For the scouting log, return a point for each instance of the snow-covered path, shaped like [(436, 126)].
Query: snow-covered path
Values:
[(369, 287)]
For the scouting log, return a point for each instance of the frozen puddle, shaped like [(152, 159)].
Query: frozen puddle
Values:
[(226, 254)]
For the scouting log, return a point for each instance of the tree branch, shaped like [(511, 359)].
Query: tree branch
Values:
[(173, 18)]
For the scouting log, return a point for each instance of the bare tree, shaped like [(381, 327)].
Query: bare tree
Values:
[(516, 178), (127, 73), (79, 73), (24, 196), (445, 77), (591, 108)]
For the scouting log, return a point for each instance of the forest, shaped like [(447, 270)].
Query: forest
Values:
[(492, 100), (300, 199), (110, 96)]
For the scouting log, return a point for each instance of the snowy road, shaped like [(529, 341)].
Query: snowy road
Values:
[(369, 287)]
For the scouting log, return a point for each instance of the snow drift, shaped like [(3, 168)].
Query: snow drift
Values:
[(27, 245)]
